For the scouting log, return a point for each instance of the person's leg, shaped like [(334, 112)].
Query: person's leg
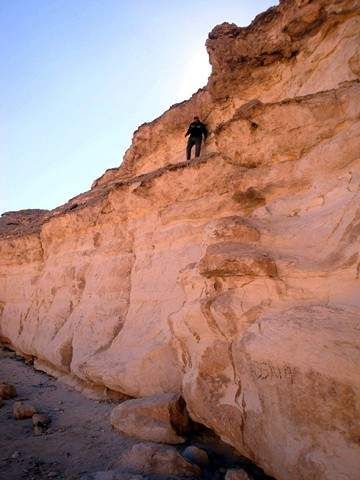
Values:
[(197, 147), (189, 146)]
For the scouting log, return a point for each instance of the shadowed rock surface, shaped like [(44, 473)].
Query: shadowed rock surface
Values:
[(232, 279), (156, 459)]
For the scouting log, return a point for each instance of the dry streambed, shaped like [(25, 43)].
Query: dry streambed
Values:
[(49, 431)]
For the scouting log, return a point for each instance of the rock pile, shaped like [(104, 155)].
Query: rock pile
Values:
[(24, 410)]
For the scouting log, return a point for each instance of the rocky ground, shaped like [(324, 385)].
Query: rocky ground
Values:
[(79, 440)]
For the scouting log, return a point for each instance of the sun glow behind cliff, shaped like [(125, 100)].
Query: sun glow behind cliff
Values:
[(82, 76), (195, 74)]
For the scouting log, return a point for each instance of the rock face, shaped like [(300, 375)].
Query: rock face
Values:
[(233, 278)]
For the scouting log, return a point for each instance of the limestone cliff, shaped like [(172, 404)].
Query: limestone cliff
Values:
[(233, 278)]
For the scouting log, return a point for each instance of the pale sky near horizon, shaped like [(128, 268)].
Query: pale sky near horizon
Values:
[(79, 76)]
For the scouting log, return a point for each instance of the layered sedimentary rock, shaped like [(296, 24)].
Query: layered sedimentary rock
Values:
[(233, 278)]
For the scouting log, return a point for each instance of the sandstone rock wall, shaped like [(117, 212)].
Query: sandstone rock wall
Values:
[(233, 278)]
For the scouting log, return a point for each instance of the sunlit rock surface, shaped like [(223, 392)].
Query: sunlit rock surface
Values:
[(234, 278)]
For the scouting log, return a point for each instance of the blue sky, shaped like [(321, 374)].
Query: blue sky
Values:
[(79, 76)]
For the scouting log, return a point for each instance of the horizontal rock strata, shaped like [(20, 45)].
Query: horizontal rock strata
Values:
[(233, 278)]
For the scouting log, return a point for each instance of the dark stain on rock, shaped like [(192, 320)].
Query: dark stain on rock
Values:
[(97, 239), (249, 200), (234, 259), (66, 354), (81, 283), (333, 401)]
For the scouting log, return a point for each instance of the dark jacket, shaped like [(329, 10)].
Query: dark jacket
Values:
[(197, 130)]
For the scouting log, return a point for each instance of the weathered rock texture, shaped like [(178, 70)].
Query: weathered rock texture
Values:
[(159, 418), (234, 278), (156, 459), (235, 474)]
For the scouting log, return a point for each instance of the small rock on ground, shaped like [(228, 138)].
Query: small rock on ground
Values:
[(41, 420), (23, 410), (7, 391)]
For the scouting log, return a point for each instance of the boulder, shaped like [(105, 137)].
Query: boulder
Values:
[(7, 391), (196, 455), (23, 410), (237, 474), (159, 418), (155, 459)]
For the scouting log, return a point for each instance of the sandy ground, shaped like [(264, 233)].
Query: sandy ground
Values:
[(80, 438)]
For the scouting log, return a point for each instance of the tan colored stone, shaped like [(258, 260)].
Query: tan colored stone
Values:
[(160, 418), (7, 391), (155, 459), (23, 410), (237, 474)]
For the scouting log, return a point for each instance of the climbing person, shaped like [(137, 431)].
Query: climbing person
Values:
[(196, 131)]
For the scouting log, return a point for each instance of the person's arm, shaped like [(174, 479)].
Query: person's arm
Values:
[(188, 131)]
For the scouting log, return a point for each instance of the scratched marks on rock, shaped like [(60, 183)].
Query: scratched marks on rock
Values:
[(267, 371)]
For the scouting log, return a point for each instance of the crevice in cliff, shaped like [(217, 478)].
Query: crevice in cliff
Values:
[(185, 354)]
